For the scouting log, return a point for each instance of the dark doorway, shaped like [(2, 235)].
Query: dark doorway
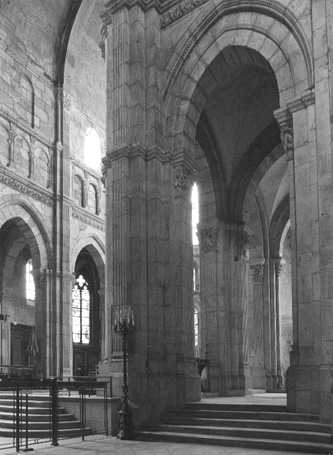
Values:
[(86, 324)]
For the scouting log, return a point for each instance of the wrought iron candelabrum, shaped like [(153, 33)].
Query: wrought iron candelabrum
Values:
[(124, 325)]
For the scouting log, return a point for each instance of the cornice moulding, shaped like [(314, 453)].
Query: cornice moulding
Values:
[(284, 114), (171, 10), (270, 8), (159, 5), (135, 151), (88, 218), (180, 10), (30, 189), (302, 102)]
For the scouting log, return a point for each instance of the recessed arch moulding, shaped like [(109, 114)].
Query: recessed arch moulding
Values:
[(89, 262), (263, 29), (23, 237), (268, 38)]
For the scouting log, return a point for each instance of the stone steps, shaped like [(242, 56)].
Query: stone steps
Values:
[(258, 415), (39, 418), (10, 415), (253, 443), (252, 423), (45, 434), (40, 424), (247, 432), (235, 407), (266, 427)]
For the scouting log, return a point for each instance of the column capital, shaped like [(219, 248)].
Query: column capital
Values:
[(208, 236), (257, 272), (285, 120), (277, 263), (112, 6), (302, 102), (241, 237), (284, 117), (183, 178), (41, 275), (133, 151), (297, 104)]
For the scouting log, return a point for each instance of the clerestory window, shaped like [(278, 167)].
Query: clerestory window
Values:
[(81, 311), (30, 289), (196, 328)]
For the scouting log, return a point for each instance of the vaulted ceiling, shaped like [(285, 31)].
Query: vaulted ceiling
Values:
[(237, 128)]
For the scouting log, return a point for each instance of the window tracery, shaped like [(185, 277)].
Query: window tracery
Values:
[(81, 311)]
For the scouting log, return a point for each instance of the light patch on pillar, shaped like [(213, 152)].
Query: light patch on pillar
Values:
[(195, 214), (92, 150)]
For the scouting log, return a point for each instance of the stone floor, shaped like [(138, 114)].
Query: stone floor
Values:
[(100, 445), (256, 397)]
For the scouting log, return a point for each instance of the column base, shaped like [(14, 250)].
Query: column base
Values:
[(255, 378), (274, 383), (232, 385), (309, 390), (192, 381)]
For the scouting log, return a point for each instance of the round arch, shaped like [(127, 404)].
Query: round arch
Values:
[(23, 240), (96, 249), (26, 215), (274, 35), (89, 262)]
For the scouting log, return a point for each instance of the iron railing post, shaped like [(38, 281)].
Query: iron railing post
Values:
[(27, 448), (54, 399), (106, 423), (17, 416)]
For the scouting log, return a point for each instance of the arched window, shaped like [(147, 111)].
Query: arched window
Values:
[(195, 213), (78, 190), (92, 198), (81, 311), (28, 99), (92, 150), (43, 170), (30, 289)]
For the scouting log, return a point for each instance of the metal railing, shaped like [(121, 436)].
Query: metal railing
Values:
[(19, 395)]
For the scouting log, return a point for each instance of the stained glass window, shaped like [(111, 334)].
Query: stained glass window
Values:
[(81, 311), (30, 289)]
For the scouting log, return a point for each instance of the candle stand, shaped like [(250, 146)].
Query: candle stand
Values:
[(124, 324)]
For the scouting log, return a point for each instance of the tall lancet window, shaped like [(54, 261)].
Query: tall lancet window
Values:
[(30, 289), (195, 214), (81, 311)]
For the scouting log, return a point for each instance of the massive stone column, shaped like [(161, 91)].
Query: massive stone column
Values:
[(308, 380), (322, 280), (146, 223), (208, 235), (45, 324), (181, 284), (254, 326), (307, 137), (275, 379), (125, 180), (223, 292)]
